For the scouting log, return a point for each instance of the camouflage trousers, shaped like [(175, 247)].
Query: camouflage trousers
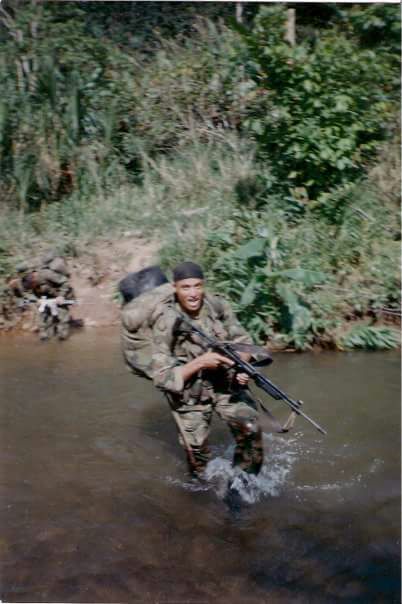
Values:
[(194, 420), (50, 325)]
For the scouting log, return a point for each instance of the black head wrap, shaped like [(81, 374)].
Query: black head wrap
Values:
[(187, 270)]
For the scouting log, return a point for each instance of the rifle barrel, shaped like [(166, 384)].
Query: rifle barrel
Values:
[(277, 394)]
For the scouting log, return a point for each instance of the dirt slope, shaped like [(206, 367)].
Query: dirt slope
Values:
[(95, 275)]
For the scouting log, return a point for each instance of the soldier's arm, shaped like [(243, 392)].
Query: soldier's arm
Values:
[(236, 334), (165, 366), (131, 318), (207, 360), (66, 291)]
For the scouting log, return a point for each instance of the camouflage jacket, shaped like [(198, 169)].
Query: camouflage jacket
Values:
[(172, 348), (48, 283), (136, 329)]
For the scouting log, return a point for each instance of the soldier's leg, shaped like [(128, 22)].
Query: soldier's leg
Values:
[(243, 422), (63, 323), (45, 324), (193, 424)]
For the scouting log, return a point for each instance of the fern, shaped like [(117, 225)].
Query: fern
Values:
[(372, 338)]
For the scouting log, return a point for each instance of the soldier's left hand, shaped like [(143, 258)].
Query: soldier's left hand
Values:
[(242, 378), (59, 300)]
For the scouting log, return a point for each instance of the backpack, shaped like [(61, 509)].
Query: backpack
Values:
[(143, 292), (135, 284)]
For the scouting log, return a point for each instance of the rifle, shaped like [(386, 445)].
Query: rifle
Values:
[(51, 304), (24, 302), (228, 350)]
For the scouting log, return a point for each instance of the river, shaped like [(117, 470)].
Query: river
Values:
[(96, 505)]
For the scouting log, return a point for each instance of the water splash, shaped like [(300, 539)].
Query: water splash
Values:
[(376, 465), (281, 454), (192, 484), (251, 489)]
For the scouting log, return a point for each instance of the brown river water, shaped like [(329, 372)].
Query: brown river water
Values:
[(96, 505)]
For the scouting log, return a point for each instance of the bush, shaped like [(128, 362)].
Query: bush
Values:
[(371, 338), (297, 284), (325, 106)]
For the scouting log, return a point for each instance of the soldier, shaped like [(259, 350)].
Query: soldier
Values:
[(51, 287), (196, 382)]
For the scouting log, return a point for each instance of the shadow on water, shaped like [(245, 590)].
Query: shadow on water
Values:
[(97, 507)]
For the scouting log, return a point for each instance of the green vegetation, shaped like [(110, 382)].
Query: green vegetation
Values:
[(276, 166), (318, 119)]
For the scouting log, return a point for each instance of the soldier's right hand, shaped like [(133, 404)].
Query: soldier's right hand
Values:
[(213, 360)]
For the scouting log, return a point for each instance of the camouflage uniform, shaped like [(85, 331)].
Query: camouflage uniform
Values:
[(51, 282), (194, 401), (136, 331)]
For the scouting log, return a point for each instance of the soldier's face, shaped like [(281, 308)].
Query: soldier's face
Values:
[(190, 294)]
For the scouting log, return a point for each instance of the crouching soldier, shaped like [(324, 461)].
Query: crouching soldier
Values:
[(54, 294)]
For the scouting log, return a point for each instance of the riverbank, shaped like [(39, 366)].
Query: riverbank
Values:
[(95, 275), (298, 282)]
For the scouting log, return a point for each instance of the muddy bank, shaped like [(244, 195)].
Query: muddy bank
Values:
[(94, 277)]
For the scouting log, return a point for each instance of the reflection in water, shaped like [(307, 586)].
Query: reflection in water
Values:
[(97, 506)]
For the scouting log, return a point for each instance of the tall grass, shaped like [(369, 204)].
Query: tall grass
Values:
[(302, 282), (179, 199)]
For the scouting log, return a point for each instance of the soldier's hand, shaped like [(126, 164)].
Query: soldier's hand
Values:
[(213, 360), (59, 300), (242, 378)]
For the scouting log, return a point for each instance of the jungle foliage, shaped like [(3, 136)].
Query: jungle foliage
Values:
[(317, 122), (275, 165)]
